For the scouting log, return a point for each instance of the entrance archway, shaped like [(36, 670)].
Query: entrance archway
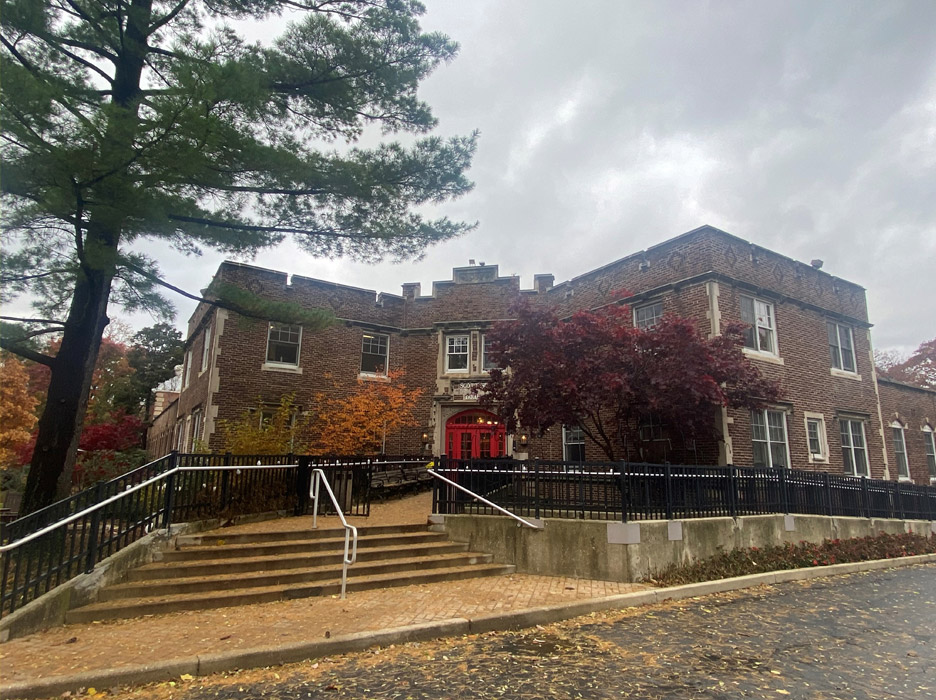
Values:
[(475, 434)]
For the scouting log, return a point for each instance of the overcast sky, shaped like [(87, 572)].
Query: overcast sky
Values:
[(607, 127)]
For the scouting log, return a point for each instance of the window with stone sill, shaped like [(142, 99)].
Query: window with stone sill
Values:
[(929, 445), (648, 316), (456, 352), (375, 354), (841, 347), (761, 333), (769, 439), (854, 447), (283, 343)]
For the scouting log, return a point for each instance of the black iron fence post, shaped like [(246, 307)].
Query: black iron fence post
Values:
[(782, 483), (898, 502), (827, 487), (169, 502), (865, 505), (536, 487), (622, 477), (94, 529), (303, 476), (668, 490), (733, 490)]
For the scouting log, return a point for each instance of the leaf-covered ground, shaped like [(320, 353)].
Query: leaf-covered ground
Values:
[(864, 636)]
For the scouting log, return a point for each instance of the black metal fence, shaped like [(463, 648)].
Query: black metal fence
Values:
[(637, 491), (51, 546)]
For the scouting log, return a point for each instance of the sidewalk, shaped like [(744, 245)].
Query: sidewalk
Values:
[(126, 643)]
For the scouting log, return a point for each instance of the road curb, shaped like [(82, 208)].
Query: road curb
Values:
[(206, 664)]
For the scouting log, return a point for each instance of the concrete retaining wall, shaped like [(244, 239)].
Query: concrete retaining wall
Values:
[(631, 551)]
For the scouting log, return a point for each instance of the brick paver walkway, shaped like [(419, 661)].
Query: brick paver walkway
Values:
[(78, 648)]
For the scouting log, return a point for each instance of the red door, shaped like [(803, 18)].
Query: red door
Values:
[(475, 434)]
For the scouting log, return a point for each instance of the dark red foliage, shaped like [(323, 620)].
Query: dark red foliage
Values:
[(597, 370), (118, 432)]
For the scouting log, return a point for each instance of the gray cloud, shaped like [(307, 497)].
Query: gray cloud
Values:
[(809, 128)]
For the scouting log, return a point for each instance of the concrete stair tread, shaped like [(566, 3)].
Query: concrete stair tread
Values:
[(337, 541), (372, 552), (289, 535), (324, 568), (135, 607)]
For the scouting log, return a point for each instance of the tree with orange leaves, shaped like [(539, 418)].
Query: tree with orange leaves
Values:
[(16, 409), (359, 423)]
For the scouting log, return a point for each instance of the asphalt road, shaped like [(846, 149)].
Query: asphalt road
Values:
[(867, 636)]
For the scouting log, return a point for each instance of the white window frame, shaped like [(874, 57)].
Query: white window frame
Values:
[(823, 454), (197, 425), (278, 327), (449, 354), (847, 431), (386, 355), (837, 351), (206, 350), (572, 435), (484, 355), (180, 435), (898, 432), (650, 321), (929, 445), (187, 369), (769, 438), (761, 321)]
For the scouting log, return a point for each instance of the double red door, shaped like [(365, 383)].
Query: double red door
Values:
[(475, 434)]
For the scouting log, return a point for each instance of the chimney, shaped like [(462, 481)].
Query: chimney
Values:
[(410, 290), (542, 283)]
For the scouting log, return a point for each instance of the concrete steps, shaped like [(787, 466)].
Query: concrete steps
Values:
[(217, 569)]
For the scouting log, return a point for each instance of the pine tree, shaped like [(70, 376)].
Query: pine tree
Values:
[(127, 121)]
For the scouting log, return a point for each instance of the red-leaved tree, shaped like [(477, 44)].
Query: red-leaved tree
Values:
[(598, 371)]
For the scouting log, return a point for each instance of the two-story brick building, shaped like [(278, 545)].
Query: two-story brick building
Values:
[(808, 329)]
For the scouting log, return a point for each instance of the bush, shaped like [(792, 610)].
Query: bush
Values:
[(756, 560)]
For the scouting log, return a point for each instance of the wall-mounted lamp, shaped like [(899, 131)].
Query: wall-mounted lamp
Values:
[(425, 438), (523, 438)]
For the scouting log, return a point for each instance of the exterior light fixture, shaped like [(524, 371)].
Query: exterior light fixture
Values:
[(425, 437), (523, 438)]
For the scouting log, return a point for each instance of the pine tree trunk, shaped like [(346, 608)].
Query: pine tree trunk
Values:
[(69, 388)]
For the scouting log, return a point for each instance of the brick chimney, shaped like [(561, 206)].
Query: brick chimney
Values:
[(411, 290), (542, 283)]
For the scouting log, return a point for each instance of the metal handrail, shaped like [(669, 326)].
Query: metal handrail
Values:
[(126, 492), (485, 501), (318, 478)]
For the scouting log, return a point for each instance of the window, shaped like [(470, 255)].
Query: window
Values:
[(768, 435), (196, 429), (816, 438), (487, 362), (761, 334), (375, 353), (206, 350), (648, 316), (841, 347), (900, 451), (456, 353), (573, 444), (283, 344), (854, 451), (187, 370), (930, 447), (650, 427), (180, 435)]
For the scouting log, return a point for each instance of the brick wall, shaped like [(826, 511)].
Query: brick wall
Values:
[(701, 275), (914, 409)]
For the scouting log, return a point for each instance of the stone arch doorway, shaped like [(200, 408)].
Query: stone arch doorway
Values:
[(475, 434)]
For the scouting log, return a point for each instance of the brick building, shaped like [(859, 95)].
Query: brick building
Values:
[(809, 331)]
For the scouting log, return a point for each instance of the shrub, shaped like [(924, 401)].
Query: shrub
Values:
[(756, 560)]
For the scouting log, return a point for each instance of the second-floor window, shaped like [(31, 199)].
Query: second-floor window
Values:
[(375, 353), (283, 344), (206, 349), (648, 316), (841, 347), (488, 363), (761, 333), (456, 353)]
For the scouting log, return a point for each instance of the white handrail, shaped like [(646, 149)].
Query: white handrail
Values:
[(318, 478), (126, 492), (485, 501)]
